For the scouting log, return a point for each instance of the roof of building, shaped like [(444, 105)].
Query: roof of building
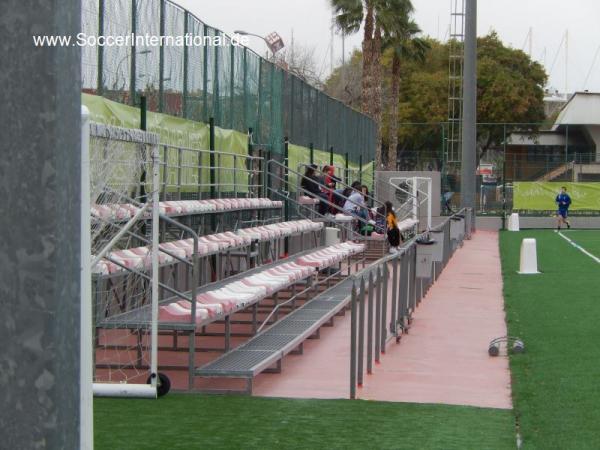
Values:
[(583, 108)]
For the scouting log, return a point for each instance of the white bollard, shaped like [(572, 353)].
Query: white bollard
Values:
[(528, 257), (513, 222)]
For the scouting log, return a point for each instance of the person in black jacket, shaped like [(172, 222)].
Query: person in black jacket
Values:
[(310, 186)]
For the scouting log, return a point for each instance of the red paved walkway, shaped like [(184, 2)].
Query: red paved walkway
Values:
[(444, 358)]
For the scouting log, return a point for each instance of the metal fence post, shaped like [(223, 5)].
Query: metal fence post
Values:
[(245, 86), (353, 343), (286, 182), (384, 295), (132, 69), (231, 88), (331, 155), (211, 147), (370, 325), (361, 331), (394, 296), (161, 60), (311, 147), (378, 289), (100, 76), (360, 168), (184, 108), (205, 76), (346, 169)]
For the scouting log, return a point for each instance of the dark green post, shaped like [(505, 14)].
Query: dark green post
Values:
[(143, 112), (311, 147), (143, 126), (245, 87), (231, 88), (291, 126), (286, 211), (216, 95), (267, 176), (211, 147), (346, 169), (211, 124), (161, 60), (273, 138), (133, 54), (185, 68), (205, 77), (258, 123), (373, 181), (331, 155), (101, 11), (360, 168)]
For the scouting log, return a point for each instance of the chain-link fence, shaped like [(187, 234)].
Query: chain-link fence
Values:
[(230, 83), (509, 155)]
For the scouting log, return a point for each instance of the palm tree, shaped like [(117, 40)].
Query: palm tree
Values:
[(380, 17), (405, 44), (349, 16)]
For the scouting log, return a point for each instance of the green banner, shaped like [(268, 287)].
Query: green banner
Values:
[(540, 196), (181, 134)]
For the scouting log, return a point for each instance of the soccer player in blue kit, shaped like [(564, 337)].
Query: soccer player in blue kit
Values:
[(563, 201)]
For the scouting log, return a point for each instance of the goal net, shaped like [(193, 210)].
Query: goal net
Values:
[(123, 189)]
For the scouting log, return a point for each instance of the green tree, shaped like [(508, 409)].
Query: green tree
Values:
[(381, 18), (509, 88)]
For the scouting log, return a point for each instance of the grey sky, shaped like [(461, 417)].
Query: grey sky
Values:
[(512, 19)]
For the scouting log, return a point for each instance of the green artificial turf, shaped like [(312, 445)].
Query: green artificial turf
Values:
[(556, 383), (185, 421)]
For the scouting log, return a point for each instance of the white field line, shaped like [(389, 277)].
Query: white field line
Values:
[(579, 247)]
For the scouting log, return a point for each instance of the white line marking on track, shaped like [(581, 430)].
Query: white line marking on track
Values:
[(579, 247)]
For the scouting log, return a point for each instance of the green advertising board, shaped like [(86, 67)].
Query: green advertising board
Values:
[(540, 196)]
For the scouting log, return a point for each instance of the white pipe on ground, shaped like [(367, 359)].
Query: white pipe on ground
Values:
[(124, 390)]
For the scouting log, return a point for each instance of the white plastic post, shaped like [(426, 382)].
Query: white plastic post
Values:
[(513, 222), (86, 373), (528, 263), (429, 197)]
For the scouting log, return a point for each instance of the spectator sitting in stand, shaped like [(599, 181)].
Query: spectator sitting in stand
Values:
[(310, 185)]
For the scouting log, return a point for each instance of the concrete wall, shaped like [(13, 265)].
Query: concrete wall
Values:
[(39, 226), (384, 191)]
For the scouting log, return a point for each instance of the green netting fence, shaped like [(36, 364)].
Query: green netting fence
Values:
[(229, 83)]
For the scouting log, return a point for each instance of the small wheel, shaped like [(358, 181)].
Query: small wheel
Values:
[(518, 347), (494, 350), (163, 386), (398, 339)]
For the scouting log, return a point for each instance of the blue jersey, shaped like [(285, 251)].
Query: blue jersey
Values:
[(563, 201)]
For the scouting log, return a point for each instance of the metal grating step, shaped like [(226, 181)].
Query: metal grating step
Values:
[(269, 342), (320, 304), (272, 344), (309, 314), (288, 326), (239, 362)]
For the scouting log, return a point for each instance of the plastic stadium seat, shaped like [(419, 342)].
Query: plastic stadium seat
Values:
[(174, 312), (306, 200), (213, 309)]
